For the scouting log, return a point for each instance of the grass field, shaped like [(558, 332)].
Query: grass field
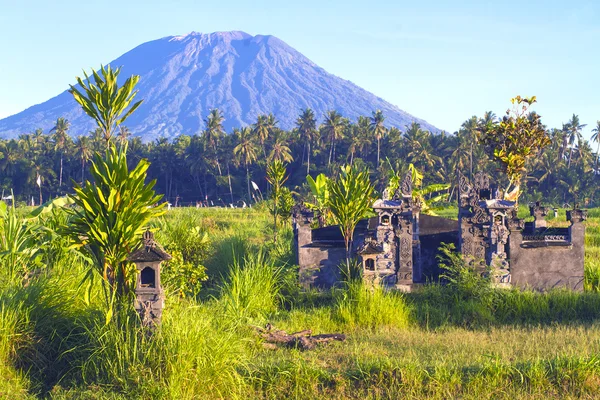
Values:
[(443, 342)]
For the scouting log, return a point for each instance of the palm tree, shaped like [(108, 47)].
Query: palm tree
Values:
[(214, 130), (359, 137), (419, 147), (246, 152), (281, 150), (60, 141), (470, 127), (263, 128), (84, 150), (123, 136), (333, 127), (574, 133), (378, 129), (596, 138), (307, 128)]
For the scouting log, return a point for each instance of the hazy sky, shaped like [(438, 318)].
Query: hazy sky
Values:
[(442, 61)]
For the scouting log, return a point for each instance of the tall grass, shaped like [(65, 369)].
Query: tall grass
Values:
[(251, 291), (365, 305)]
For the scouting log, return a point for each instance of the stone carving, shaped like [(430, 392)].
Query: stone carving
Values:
[(576, 216), (481, 181)]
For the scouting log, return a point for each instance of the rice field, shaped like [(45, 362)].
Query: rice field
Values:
[(442, 342)]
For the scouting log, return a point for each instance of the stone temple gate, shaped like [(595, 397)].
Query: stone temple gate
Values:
[(398, 247)]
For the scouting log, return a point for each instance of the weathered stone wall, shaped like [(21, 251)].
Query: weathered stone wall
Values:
[(545, 267)]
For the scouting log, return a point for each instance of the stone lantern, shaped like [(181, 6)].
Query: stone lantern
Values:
[(149, 295)]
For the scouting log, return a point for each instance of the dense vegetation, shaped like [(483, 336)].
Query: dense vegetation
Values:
[(461, 340), (220, 167)]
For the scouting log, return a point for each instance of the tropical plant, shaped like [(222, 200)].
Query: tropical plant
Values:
[(104, 100), (246, 152), (307, 128), (333, 127), (60, 141), (320, 192), (596, 138), (512, 141), (378, 129), (276, 177), (350, 200)]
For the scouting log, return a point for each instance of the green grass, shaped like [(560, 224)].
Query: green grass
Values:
[(439, 342)]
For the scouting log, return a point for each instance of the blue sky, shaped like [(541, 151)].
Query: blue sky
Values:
[(442, 61)]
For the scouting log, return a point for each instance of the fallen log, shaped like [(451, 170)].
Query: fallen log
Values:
[(303, 340)]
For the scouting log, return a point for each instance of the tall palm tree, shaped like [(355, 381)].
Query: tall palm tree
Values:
[(214, 130), (84, 151), (333, 127), (60, 141), (280, 150), (574, 133), (596, 138), (307, 128), (246, 152), (378, 129), (470, 127), (264, 126), (123, 135)]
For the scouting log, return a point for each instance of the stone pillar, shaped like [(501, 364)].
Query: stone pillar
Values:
[(404, 234), (538, 213), (473, 223), (577, 232)]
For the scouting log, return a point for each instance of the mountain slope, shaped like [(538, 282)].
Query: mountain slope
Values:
[(184, 77)]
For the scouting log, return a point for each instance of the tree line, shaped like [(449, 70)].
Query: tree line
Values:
[(216, 167)]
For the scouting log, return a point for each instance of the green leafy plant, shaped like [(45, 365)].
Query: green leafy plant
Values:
[(350, 200), (111, 216), (426, 196), (276, 177), (104, 100), (519, 136), (320, 192)]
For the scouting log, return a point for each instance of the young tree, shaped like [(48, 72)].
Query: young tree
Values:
[(276, 177), (104, 100), (350, 200), (114, 208), (519, 136), (320, 191)]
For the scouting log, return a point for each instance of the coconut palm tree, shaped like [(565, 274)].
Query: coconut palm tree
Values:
[(60, 141), (123, 135), (333, 127), (574, 134), (596, 138), (84, 151), (263, 128), (307, 128), (245, 151), (280, 150), (470, 127), (378, 129), (214, 130)]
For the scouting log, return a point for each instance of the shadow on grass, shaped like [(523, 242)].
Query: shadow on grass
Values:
[(438, 306)]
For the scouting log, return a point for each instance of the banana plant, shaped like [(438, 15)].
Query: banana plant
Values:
[(422, 195), (320, 192)]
